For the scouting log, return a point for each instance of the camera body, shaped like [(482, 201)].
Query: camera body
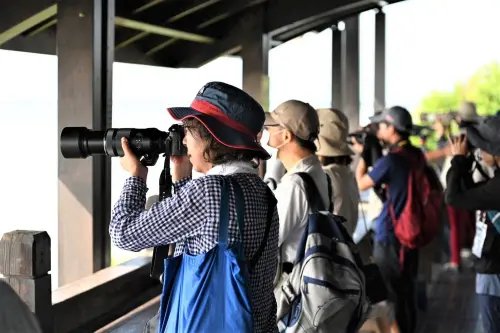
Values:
[(359, 136), (147, 144), (369, 131)]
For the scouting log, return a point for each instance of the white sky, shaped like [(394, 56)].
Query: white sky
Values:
[(430, 45)]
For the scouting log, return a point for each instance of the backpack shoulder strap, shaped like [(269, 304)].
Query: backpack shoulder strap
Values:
[(330, 192), (414, 156), (311, 192)]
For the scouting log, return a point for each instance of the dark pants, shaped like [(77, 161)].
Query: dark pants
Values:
[(489, 307), (400, 280)]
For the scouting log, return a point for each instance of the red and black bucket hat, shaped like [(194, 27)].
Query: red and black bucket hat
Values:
[(232, 116)]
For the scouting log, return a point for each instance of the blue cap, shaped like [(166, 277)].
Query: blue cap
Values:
[(232, 116)]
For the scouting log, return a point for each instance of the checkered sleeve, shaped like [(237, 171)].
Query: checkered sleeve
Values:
[(168, 221), (180, 184)]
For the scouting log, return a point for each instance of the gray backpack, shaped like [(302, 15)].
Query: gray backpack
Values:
[(325, 291)]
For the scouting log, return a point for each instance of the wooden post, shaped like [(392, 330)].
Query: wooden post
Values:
[(25, 265)]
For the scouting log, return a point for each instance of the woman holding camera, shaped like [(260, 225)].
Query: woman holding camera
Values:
[(462, 192), (224, 224), (460, 220)]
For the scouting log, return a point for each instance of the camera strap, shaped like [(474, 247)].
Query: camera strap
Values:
[(479, 168), (399, 144)]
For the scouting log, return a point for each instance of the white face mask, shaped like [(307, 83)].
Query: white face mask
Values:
[(266, 136)]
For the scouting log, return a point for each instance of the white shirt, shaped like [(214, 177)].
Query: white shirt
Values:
[(293, 208)]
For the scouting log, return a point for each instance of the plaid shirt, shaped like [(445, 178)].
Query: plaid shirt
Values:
[(190, 218)]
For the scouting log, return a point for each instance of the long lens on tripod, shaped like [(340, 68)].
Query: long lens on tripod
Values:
[(80, 142)]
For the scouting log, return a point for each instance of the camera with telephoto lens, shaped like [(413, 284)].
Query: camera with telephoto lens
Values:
[(421, 131), (147, 144), (369, 131), (444, 118)]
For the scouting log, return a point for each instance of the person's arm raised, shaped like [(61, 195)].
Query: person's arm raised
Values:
[(169, 221)]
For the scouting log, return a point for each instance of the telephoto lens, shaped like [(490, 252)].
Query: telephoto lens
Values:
[(80, 142)]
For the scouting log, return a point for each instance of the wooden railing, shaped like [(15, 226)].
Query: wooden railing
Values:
[(84, 305)]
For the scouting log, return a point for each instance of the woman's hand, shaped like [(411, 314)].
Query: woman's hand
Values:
[(182, 167), (131, 164), (459, 145)]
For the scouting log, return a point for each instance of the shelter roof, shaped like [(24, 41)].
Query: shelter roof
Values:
[(179, 33)]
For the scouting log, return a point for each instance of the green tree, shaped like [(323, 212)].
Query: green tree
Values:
[(483, 88), (440, 102)]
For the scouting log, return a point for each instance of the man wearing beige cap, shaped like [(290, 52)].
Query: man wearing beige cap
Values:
[(335, 156), (293, 128)]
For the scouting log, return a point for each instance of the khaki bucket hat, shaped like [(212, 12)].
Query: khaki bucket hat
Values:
[(333, 130)]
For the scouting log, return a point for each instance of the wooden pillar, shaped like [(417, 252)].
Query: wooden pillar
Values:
[(25, 264), (345, 70), (337, 68), (379, 101), (255, 54), (350, 82), (85, 50)]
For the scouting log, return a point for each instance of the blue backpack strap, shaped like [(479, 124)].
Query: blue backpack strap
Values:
[(224, 211), (318, 225)]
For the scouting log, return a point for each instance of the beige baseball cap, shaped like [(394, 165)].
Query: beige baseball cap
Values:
[(333, 130), (298, 117), (467, 111)]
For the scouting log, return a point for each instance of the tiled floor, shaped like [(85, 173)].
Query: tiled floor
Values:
[(452, 308), (134, 322)]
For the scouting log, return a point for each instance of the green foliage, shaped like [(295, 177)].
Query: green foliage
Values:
[(440, 102), (483, 88), (430, 143)]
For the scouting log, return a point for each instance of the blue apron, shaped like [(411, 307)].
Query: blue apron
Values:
[(209, 292)]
